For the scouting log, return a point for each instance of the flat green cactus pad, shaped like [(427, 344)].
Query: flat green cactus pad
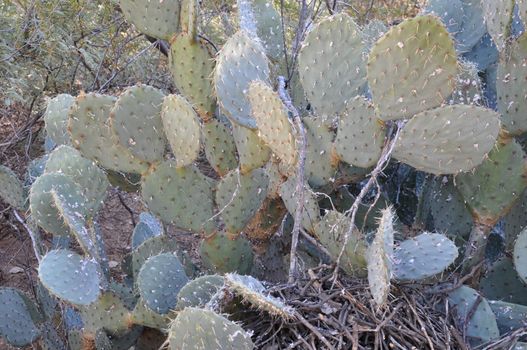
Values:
[(148, 226), (511, 87), (329, 82), (448, 140), (269, 28), (239, 196), (159, 281), (223, 254), (197, 329), (509, 316), (252, 152), (11, 190), (360, 135), (108, 313), (192, 65), (501, 282), (70, 277), (493, 187), (473, 27), (520, 255), (56, 118), (240, 61), (498, 17), (331, 231), (220, 148), (91, 134), (41, 199), (311, 211), (182, 196), (16, 324), (423, 256), (136, 120), (159, 19), (144, 316), (182, 129), (320, 165), (89, 177), (198, 292), (424, 56)]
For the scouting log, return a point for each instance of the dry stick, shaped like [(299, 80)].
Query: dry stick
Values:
[(299, 190), (31, 234), (385, 157)]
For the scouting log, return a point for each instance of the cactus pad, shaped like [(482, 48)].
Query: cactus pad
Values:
[(423, 53), (204, 329), (498, 17), (108, 313), (360, 135), (159, 19), (311, 211), (147, 227), (501, 282), (181, 128), (16, 324), (240, 61), (509, 316), (198, 292), (223, 254), (252, 152), (511, 88), (329, 82), (448, 139), (520, 255), (320, 165), (11, 190), (91, 134), (473, 27), (220, 148), (239, 196), (423, 256), (142, 315), (70, 277), (269, 28), (136, 121), (56, 118), (182, 196)]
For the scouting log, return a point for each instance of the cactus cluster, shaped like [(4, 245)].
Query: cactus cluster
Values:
[(411, 91)]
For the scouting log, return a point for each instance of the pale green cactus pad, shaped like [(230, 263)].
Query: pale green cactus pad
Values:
[(182, 129), (426, 68), (182, 196), (16, 324), (70, 277), (274, 126), (522, 8), (197, 329), (200, 291), (41, 199), (498, 17), (269, 28), (493, 187), (501, 282), (511, 87), (159, 19), (252, 152), (254, 293), (239, 196), (108, 313), (360, 135), (142, 315), (320, 165), (473, 27), (327, 81), (222, 253), (331, 231), (448, 140), (240, 61), (148, 226), (192, 65), (91, 134), (520, 257), (136, 121), (11, 190), (89, 177), (423, 256), (219, 145), (56, 118), (311, 211), (478, 319)]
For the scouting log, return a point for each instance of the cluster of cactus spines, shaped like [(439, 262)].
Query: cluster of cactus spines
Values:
[(432, 140), (468, 85), (360, 134), (330, 83), (501, 282), (56, 118), (239, 196), (498, 18), (182, 129), (135, 119), (224, 253), (252, 151), (511, 88), (219, 146), (204, 329), (475, 315), (70, 277), (199, 292), (17, 326), (253, 292), (159, 281), (311, 212), (157, 19), (11, 189), (240, 61), (183, 196)]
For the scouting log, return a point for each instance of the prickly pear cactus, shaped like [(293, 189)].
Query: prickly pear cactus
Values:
[(56, 118), (199, 292), (17, 326), (158, 19), (11, 189), (219, 145), (223, 253)]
